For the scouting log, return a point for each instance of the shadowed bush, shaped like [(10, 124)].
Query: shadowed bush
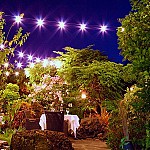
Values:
[(40, 140)]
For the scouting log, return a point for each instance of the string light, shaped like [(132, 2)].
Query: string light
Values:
[(16, 73), (37, 60), (6, 65), (30, 57), (2, 46), (40, 22), (31, 65), (83, 26), (45, 63), (103, 28), (18, 19), (122, 29), (19, 65), (7, 73), (61, 25), (21, 54), (57, 63)]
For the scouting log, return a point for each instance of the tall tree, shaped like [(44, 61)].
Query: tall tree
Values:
[(134, 42), (90, 70), (134, 37)]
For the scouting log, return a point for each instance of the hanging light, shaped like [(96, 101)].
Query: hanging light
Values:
[(103, 28), (17, 73), (40, 22), (61, 25), (82, 27), (2, 46), (7, 73), (21, 54), (6, 65), (19, 65)]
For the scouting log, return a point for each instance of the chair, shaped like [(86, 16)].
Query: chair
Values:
[(55, 121), (32, 123)]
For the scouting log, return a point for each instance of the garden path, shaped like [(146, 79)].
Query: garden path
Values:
[(89, 144)]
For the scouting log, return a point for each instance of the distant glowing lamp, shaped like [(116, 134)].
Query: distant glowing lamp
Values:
[(122, 29), (21, 54), (45, 62), (16, 73), (40, 22), (27, 73), (31, 65), (2, 46), (83, 26), (103, 28), (18, 19), (51, 63), (57, 63), (6, 65), (83, 95), (37, 60), (131, 88), (30, 57), (61, 24), (7, 73), (19, 65)]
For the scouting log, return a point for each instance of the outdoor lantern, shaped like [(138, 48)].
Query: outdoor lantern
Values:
[(83, 95)]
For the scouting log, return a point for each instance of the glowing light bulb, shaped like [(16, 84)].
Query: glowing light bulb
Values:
[(83, 95), (103, 28), (27, 73), (30, 57), (57, 63), (16, 73), (19, 65), (6, 65), (21, 54), (61, 25), (83, 26), (37, 60), (31, 65), (40, 22), (2, 46), (122, 29), (45, 62), (18, 19), (7, 73)]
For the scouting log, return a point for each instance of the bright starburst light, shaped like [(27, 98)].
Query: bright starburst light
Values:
[(2, 46), (31, 65), (61, 24), (30, 57), (16, 73), (83, 26), (6, 65), (37, 60), (19, 65), (7, 73), (40, 22), (103, 28), (45, 62), (21, 54), (18, 19)]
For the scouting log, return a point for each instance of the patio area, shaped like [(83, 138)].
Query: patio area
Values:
[(89, 144)]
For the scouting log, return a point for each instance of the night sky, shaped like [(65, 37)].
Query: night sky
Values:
[(43, 41)]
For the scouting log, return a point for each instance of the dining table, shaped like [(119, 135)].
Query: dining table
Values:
[(73, 122)]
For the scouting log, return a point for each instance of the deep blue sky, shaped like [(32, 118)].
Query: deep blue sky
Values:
[(94, 12)]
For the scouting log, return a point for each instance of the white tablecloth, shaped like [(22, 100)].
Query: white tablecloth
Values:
[(73, 122)]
